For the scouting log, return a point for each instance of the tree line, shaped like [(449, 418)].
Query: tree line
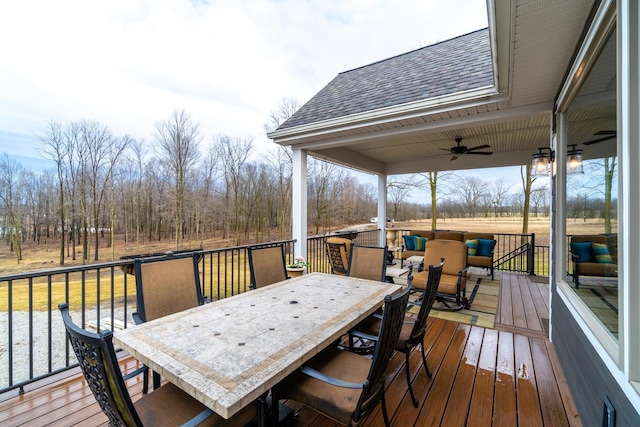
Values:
[(179, 187)]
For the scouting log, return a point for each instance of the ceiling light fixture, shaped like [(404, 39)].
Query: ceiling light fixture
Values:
[(541, 163), (574, 160)]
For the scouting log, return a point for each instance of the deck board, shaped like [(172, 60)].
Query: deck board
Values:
[(507, 376), (481, 408)]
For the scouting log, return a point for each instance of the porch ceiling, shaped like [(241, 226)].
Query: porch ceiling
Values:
[(532, 46)]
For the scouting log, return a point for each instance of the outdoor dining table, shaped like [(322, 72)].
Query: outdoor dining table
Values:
[(230, 352)]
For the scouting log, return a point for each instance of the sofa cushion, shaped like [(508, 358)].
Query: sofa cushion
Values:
[(421, 243), (409, 242), (582, 250), (485, 247), (472, 247), (601, 253)]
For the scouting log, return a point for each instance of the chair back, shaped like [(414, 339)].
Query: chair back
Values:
[(390, 327), (267, 265), (339, 252), (368, 262), (99, 364), (455, 252), (427, 300), (167, 285)]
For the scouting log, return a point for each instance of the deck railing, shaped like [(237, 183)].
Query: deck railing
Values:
[(32, 339)]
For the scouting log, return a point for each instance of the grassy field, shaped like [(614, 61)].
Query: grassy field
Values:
[(38, 257)]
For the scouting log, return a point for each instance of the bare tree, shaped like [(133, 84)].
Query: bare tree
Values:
[(54, 148), (326, 181), (233, 155), (602, 174), (498, 193), (103, 152), (430, 181), (398, 189), (539, 197), (527, 182), (10, 182), (471, 190), (177, 146), (287, 106)]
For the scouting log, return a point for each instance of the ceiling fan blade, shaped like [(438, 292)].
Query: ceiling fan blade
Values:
[(484, 153), (606, 132), (479, 147), (455, 156), (595, 141)]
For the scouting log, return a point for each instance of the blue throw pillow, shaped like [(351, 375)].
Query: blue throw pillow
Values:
[(485, 247), (582, 250), (601, 253), (410, 243), (472, 247), (421, 243)]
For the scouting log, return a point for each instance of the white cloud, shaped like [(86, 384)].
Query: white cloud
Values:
[(130, 63)]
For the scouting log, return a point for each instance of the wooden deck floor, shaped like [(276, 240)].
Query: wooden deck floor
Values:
[(507, 376)]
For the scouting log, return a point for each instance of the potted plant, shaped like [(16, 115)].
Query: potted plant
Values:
[(298, 267)]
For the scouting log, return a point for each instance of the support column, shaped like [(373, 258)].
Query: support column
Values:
[(382, 209), (299, 202)]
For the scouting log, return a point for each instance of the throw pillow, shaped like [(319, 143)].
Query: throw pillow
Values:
[(600, 253), (472, 247), (410, 243), (582, 250), (485, 247), (421, 243)]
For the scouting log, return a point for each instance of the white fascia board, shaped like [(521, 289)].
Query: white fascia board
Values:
[(466, 99)]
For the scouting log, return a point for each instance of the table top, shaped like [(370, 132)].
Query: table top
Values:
[(228, 353), (396, 271)]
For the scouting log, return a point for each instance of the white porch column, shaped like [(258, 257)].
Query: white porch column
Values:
[(299, 203), (382, 209)]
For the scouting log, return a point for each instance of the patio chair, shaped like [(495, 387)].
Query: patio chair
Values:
[(368, 262), (166, 406), (338, 252), (345, 386), (413, 328), (453, 282), (166, 285), (267, 265)]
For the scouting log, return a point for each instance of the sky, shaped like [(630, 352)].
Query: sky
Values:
[(129, 64)]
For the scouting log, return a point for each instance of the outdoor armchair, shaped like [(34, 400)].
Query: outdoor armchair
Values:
[(339, 252), (166, 406), (453, 282), (267, 265), (368, 262), (414, 326), (166, 285), (345, 386)]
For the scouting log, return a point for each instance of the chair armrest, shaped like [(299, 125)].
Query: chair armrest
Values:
[(193, 422), (331, 380), (135, 373), (363, 335), (136, 318)]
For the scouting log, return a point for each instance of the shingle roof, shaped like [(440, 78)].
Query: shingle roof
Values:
[(448, 67)]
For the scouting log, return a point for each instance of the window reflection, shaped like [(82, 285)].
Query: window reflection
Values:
[(591, 205)]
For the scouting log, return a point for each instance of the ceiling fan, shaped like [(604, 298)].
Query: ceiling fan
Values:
[(610, 134), (459, 150)]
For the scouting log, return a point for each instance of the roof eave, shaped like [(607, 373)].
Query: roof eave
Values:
[(474, 97)]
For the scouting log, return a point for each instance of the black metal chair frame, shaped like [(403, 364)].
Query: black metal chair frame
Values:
[(425, 302), (373, 387), (335, 257), (99, 364)]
